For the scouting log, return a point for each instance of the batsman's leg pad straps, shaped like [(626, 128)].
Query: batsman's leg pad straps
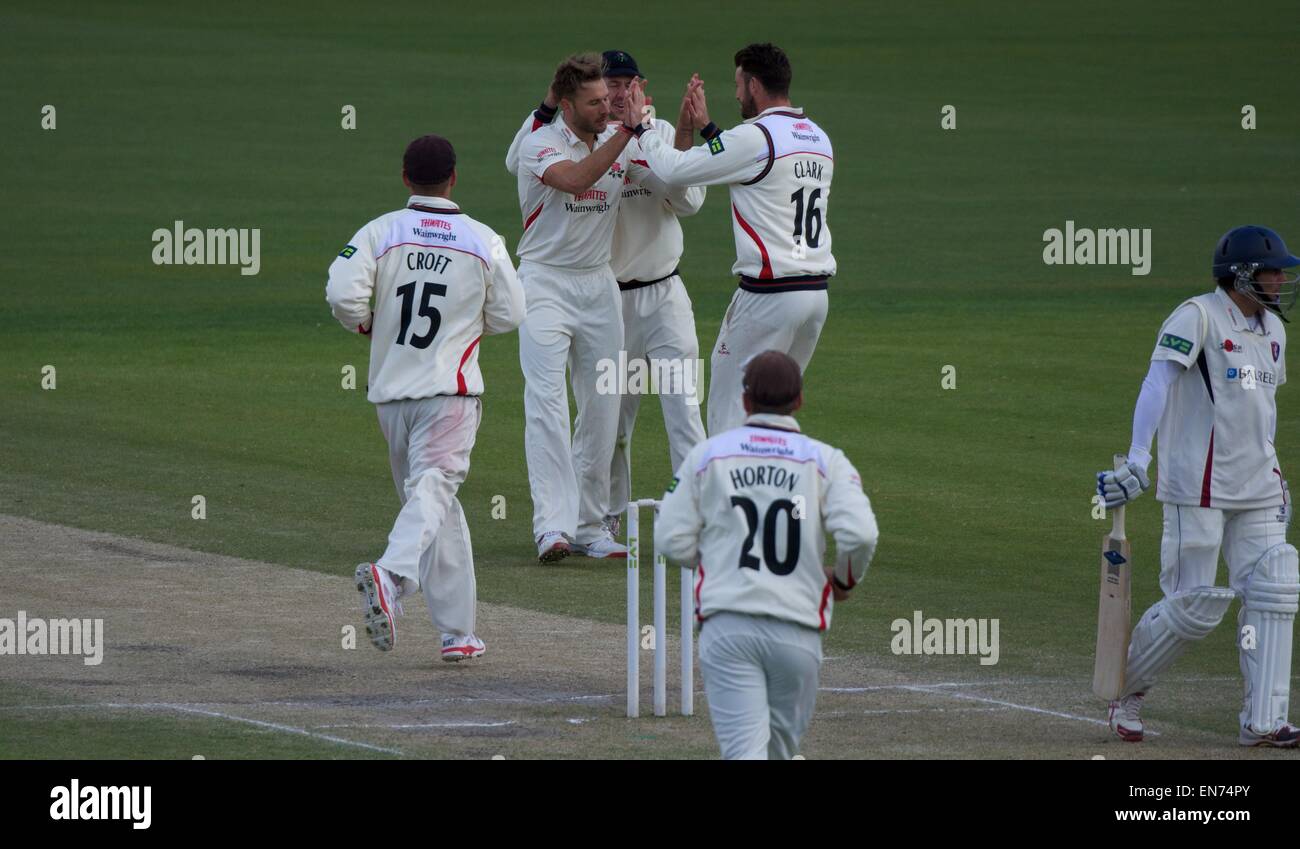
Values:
[(1167, 628), (1267, 619)]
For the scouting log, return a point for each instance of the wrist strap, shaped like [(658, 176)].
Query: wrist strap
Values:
[(709, 130), (636, 131)]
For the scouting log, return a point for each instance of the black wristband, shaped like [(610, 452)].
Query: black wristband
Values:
[(546, 113), (838, 585), (709, 130), (636, 131)]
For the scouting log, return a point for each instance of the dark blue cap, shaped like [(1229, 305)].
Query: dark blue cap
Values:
[(620, 64)]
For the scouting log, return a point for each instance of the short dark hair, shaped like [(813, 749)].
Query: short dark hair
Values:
[(576, 71), (773, 383), (769, 64), (429, 161)]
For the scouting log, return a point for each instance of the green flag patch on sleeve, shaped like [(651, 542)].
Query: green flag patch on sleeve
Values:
[(1176, 343), (673, 486), (715, 145), (348, 251)]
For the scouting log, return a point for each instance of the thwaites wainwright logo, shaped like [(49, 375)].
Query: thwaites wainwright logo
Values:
[(75, 802)]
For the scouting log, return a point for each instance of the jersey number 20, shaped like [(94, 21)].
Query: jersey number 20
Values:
[(786, 564), (427, 310)]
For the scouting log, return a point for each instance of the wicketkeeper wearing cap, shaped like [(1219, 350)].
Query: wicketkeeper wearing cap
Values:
[(440, 281), (1210, 391), (658, 320), (750, 508)]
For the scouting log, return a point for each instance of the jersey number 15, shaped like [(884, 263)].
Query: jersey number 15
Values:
[(427, 310)]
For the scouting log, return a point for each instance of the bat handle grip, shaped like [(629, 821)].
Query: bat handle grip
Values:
[(1117, 514)]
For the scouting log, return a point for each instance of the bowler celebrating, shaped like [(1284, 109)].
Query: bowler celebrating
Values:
[(658, 321), (440, 281), (570, 181), (778, 166), (1219, 359)]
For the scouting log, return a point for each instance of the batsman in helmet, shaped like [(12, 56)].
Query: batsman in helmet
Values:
[(1210, 393)]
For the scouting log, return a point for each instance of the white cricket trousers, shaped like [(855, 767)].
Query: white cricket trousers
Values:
[(760, 676), (659, 332), (790, 322), (1189, 557), (429, 442), (573, 319), (1193, 536)]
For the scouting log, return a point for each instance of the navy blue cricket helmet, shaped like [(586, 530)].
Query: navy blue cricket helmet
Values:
[(1244, 251)]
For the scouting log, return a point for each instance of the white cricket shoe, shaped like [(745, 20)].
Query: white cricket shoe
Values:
[(552, 546), (379, 605), (1124, 719), (456, 647), (603, 548), (1285, 736)]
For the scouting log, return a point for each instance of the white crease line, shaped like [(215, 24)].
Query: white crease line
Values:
[(289, 729), (887, 711), (421, 725), (1029, 708), (274, 726), (878, 687), (336, 705)]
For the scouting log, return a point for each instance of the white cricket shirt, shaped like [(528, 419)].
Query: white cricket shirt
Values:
[(1216, 432), (648, 240), (440, 280), (560, 229), (752, 508), (778, 166)]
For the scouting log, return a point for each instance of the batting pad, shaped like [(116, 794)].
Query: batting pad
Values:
[(1266, 621), (1167, 628)]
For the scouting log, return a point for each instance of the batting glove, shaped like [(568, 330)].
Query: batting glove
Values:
[(1121, 486)]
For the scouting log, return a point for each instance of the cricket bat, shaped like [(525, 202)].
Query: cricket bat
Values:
[(1113, 617)]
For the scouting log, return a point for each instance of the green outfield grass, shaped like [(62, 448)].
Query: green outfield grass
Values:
[(175, 381)]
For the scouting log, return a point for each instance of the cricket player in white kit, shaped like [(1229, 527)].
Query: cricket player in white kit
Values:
[(658, 321), (778, 165), (570, 177), (751, 508), (1218, 361), (440, 281)]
